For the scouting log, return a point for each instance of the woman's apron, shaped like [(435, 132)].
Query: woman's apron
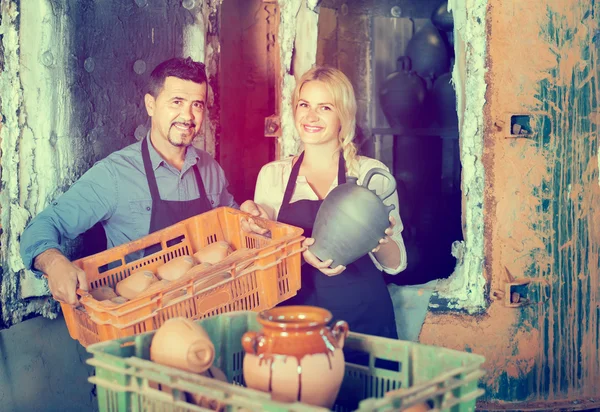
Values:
[(359, 294)]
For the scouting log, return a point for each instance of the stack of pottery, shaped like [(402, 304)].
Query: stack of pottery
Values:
[(422, 76), (145, 280), (296, 357)]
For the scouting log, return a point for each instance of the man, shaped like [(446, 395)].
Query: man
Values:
[(138, 190)]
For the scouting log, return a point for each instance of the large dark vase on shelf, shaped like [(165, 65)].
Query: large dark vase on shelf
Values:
[(428, 52), (442, 102), (402, 96), (442, 18)]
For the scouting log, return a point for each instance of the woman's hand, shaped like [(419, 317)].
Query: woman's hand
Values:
[(314, 261), (250, 226), (388, 232)]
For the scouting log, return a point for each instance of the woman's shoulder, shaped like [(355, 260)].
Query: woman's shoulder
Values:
[(276, 168), (367, 163)]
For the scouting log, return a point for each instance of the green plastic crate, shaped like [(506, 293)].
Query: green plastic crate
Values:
[(448, 379)]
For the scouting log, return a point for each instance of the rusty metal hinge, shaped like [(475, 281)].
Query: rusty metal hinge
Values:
[(273, 126), (517, 292)]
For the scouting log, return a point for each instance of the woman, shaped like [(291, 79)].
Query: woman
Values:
[(292, 190)]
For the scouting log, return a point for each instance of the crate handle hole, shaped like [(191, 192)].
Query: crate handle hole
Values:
[(141, 254), (387, 364), (175, 241), (356, 357), (110, 266)]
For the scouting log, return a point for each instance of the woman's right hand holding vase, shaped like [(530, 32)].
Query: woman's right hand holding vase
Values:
[(315, 262)]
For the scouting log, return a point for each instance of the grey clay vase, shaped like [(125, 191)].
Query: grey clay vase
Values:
[(351, 220)]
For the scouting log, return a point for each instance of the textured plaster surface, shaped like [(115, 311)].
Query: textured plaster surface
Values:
[(72, 92), (465, 288), (540, 210)]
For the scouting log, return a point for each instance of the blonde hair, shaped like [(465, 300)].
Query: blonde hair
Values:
[(344, 101)]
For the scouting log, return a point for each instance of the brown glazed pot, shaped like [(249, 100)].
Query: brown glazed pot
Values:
[(296, 356)]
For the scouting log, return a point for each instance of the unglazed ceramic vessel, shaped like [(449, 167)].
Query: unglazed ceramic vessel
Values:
[(175, 268), (135, 284), (103, 293), (351, 220), (183, 344), (296, 356), (213, 253)]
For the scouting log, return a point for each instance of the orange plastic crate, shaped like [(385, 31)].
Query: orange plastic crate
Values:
[(260, 279)]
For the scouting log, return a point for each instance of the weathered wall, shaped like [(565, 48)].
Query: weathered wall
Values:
[(345, 43), (38, 157), (541, 214), (243, 148), (72, 92)]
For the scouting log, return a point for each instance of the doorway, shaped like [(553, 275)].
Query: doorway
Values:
[(246, 95), (399, 61)]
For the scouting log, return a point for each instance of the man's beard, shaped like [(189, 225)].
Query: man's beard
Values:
[(179, 141)]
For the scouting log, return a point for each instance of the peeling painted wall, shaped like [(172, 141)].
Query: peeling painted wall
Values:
[(288, 12), (37, 155), (540, 210), (72, 92)]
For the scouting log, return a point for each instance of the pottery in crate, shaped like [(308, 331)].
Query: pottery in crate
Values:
[(295, 356), (351, 220), (183, 344)]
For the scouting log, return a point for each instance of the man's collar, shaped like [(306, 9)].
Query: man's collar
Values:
[(191, 156)]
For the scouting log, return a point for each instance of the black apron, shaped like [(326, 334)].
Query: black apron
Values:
[(168, 212), (359, 294)]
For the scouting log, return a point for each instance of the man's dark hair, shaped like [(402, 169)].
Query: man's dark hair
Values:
[(185, 69)]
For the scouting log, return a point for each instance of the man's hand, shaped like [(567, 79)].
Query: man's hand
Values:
[(314, 261), (250, 226), (63, 276)]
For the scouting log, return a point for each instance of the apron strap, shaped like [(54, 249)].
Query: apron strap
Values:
[(150, 177), (291, 184), (201, 189), (341, 170)]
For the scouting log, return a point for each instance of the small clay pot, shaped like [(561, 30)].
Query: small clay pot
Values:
[(175, 268), (135, 284), (213, 253), (103, 293), (183, 344), (419, 407)]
